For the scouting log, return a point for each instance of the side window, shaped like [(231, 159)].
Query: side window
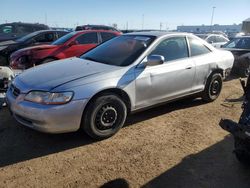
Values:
[(196, 47), (45, 37), (220, 39), (87, 38), (60, 34), (107, 36), (172, 48)]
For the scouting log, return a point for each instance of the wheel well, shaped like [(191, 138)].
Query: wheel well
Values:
[(119, 92), (220, 71)]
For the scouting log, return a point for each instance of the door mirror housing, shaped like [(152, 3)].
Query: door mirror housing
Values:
[(153, 60)]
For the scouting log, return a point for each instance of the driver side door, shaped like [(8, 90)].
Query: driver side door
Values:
[(172, 79)]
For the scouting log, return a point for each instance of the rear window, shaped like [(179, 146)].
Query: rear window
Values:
[(241, 43), (87, 38), (196, 47), (107, 36)]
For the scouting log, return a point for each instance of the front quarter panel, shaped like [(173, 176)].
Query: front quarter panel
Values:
[(83, 90)]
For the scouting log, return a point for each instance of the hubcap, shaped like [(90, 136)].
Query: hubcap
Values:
[(106, 117), (215, 87)]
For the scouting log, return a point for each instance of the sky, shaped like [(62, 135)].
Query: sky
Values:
[(131, 14)]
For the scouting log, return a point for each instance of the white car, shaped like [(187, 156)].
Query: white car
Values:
[(215, 40)]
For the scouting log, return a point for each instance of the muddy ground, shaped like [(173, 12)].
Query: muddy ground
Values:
[(174, 145)]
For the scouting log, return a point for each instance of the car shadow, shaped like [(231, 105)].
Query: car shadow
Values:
[(18, 143), (162, 109), (215, 166)]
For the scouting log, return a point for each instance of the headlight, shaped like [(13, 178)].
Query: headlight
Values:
[(49, 98)]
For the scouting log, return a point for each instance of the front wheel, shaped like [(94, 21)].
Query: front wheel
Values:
[(213, 87), (104, 116)]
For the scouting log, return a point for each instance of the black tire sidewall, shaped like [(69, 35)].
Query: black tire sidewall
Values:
[(207, 95), (91, 111)]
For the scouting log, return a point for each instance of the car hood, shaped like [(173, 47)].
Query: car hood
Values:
[(7, 43), (49, 76), (39, 47)]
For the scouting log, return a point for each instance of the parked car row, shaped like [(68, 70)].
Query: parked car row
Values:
[(70, 45), (131, 72), (32, 39), (15, 30), (240, 47), (216, 40)]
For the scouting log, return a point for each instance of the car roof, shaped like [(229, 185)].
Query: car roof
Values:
[(157, 33), (95, 30), (43, 31)]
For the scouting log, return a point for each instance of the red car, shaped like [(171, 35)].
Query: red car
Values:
[(72, 44)]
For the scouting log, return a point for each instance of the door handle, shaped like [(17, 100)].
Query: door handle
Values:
[(189, 67)]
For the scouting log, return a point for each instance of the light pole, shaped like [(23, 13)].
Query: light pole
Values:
[(142, 27), (212, 19)]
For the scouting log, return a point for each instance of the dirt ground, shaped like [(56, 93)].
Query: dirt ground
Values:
[(175, 145)]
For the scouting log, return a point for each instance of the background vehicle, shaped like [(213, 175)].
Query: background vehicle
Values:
[(72, 44), (96, 27), (240, 47), (241, 130), (215, 40), (15, 30), (128, 73), (32, 39)]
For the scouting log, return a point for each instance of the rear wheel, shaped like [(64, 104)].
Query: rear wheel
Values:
[(104, 116), (213, 87)]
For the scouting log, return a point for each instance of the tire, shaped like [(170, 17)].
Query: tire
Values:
[(104, 116), (47, 60), (241, 151), (213, 88), (245, 72)]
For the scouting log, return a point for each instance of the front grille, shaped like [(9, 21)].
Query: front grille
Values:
[(15, 91)]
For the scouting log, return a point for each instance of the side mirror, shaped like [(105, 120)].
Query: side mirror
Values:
[(153, 60), (211, 42), (72, 43)]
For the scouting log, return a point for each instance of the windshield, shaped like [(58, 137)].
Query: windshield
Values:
[(120, 51), (64, 39), (241, 43)]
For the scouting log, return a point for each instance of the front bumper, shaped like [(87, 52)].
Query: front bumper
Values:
[(46, 118)]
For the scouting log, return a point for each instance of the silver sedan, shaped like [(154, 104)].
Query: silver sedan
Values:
[(128, 73)]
